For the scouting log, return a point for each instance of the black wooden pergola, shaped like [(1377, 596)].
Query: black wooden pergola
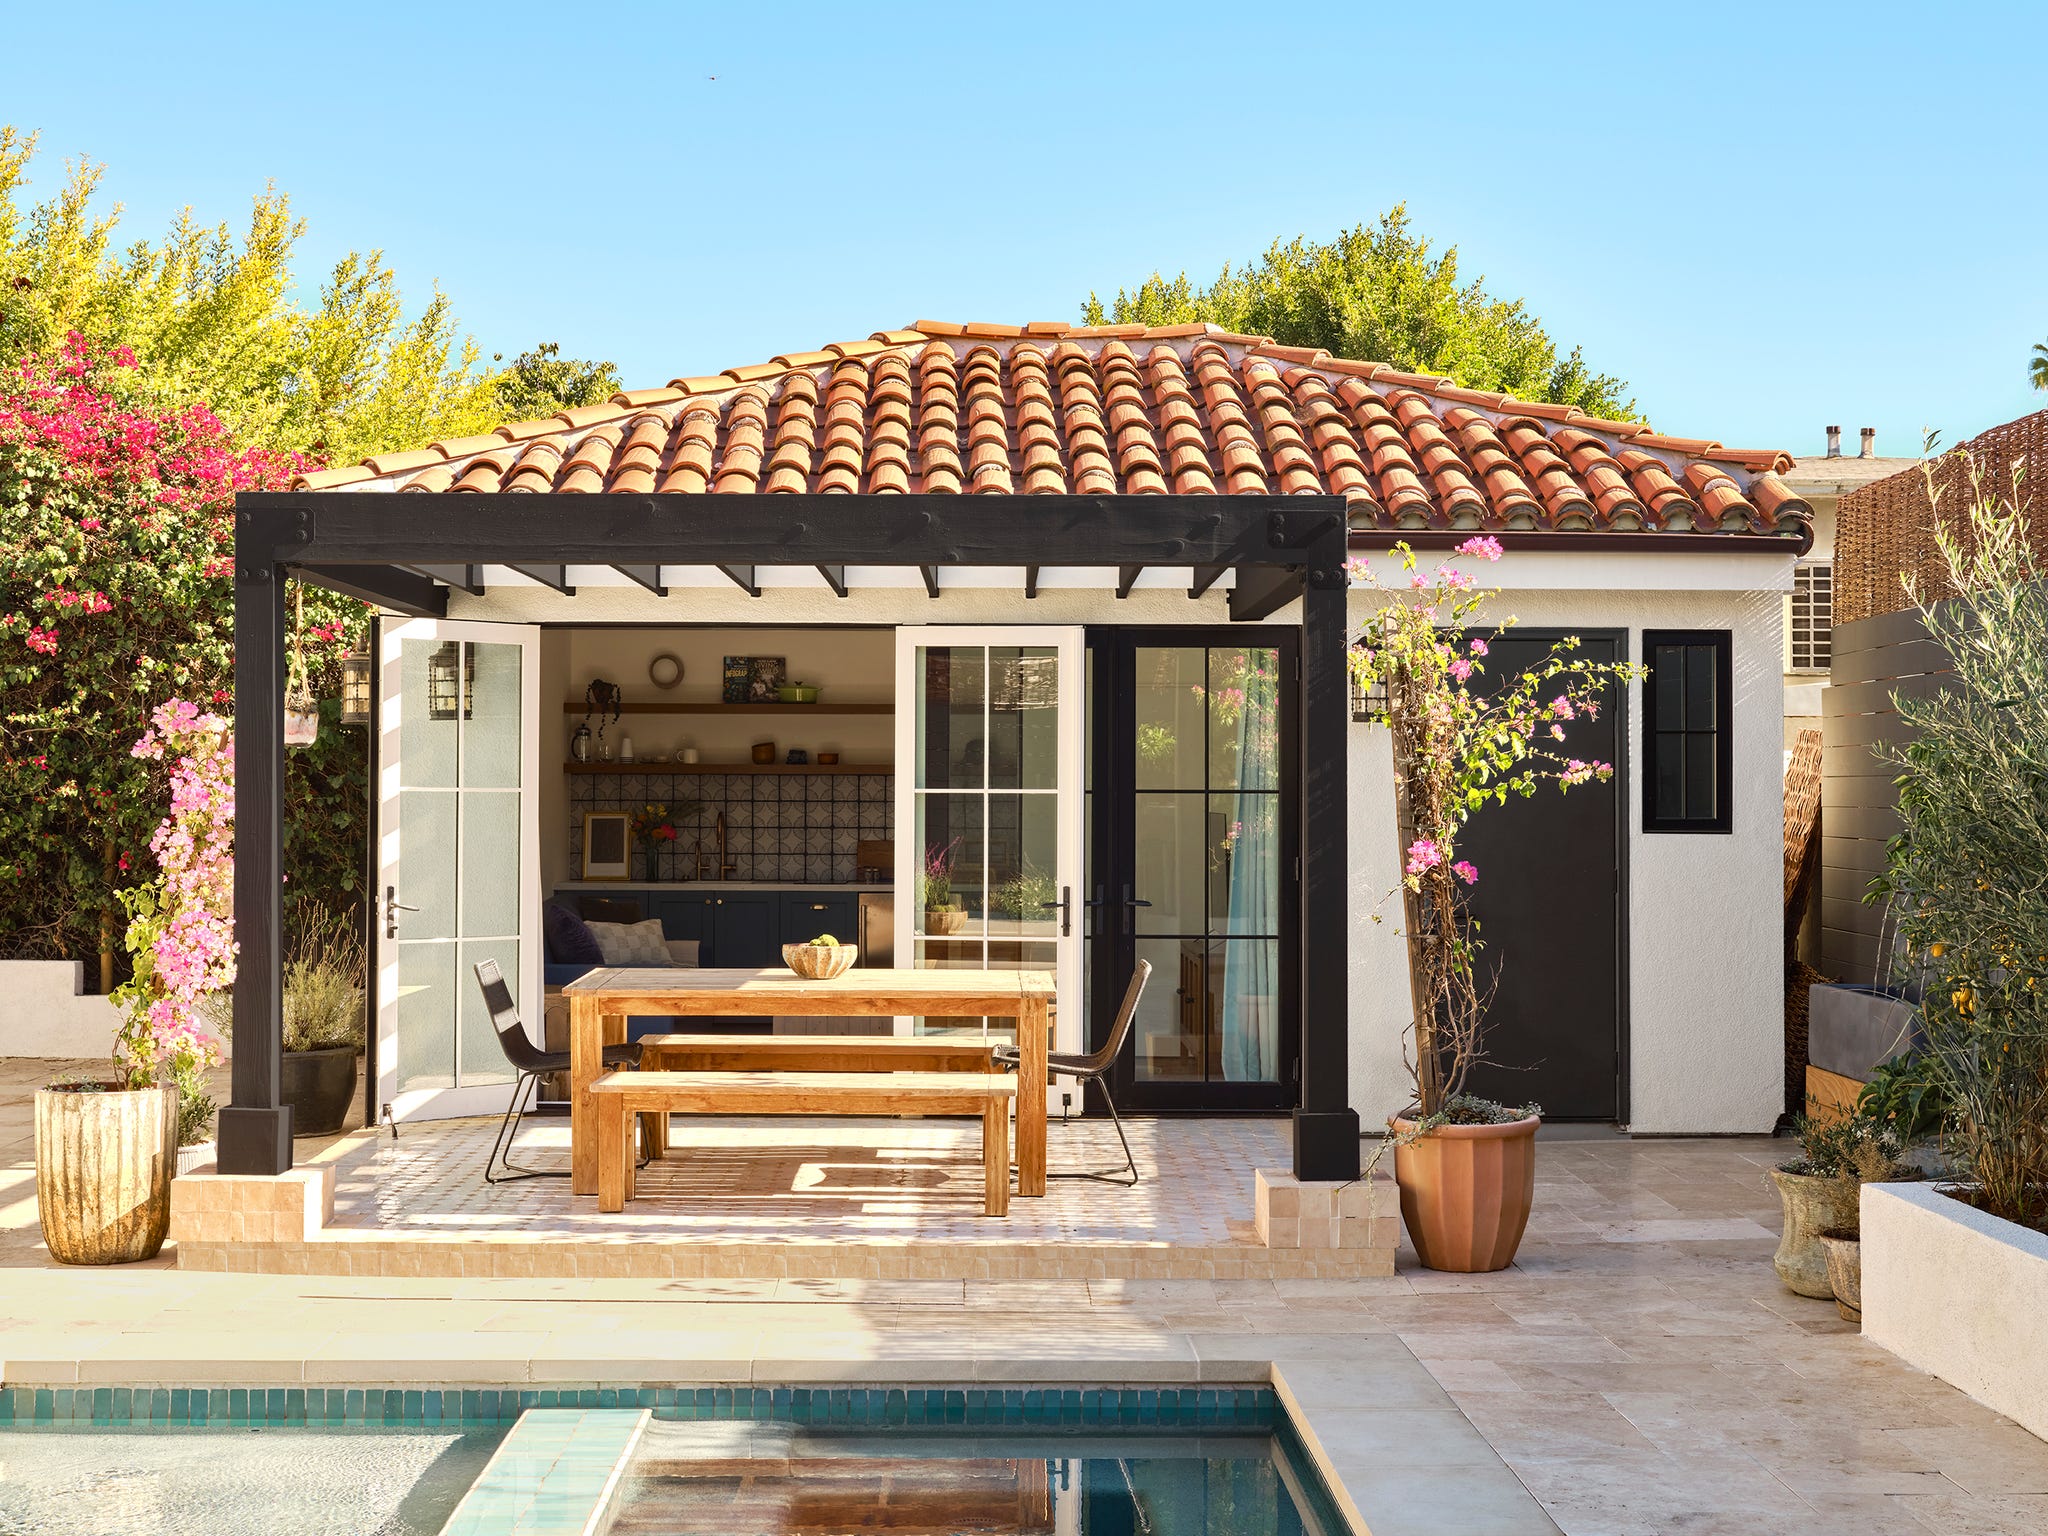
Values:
[(403, 552)]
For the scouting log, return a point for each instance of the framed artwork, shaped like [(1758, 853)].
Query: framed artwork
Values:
[(754, 679), (607, 845)]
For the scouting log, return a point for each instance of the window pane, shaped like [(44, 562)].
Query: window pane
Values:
[(490, 733), (1244, 864), (1244, 982), (949, 837), (1024, 876), (1171, 1028), (1702, 798), (952, 696), (1670, 783), (1701, 687), (1667, 684), (1172, 684), (1024, 717), (1244, 717), (426, 745), (1172, 864)]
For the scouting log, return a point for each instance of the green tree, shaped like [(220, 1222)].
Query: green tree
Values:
[(1379, 292), (542, 382), (2037, 366), (210, 318)]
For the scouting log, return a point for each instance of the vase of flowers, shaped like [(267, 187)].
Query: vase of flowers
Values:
[(655, 829), (943, 910), (107, 1148), (1466, 1166)]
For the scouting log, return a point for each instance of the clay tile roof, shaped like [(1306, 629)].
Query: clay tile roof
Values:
[(1054, 409)]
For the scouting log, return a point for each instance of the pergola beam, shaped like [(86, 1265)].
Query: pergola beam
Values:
[(1206, 576), (930, 573), (742, 576), (464, 578), (388, 586), (1262, 591), (1127, 578), (1030, 581), (556, 576), (648, 576), (835, 578)]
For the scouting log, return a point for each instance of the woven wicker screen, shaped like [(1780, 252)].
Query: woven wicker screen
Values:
[(1885, 531)]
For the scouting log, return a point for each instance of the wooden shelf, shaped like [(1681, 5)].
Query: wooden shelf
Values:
[(575, 767), (715, 707)]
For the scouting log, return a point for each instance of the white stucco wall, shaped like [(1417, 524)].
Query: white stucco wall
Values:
[(46, 1011), (1704, 932)]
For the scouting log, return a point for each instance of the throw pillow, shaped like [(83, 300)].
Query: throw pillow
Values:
[(683, 952), (632, 943), (567, 937)]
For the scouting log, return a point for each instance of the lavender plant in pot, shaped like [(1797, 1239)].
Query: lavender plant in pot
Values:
[(1466, 1166)]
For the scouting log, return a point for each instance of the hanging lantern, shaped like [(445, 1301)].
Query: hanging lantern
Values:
[(355, 689), (450, 673)]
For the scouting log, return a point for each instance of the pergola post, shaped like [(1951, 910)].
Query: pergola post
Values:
[(1325, 1126), (255, 1128)]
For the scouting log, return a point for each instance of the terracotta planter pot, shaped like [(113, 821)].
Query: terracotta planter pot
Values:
[(320, 1086), (944, 919), (1813, 1205), (1466, 1192), (1844, 1254), (104, 1165)]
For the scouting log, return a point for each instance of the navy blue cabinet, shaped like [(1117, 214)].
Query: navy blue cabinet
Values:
[(806, 914), (687, 917), (743, 929)]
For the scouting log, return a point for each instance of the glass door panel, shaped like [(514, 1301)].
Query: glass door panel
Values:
[(989, 729), (1206, 852), (458, 858)]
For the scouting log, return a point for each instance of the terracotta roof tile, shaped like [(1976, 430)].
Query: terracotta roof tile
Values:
[(1051, 409)]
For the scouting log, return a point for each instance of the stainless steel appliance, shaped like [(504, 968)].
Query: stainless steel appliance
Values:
[(878, 928)]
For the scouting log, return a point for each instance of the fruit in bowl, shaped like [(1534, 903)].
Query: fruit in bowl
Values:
[(821, 959)]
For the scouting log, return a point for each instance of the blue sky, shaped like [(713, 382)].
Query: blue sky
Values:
[(1766, 218)]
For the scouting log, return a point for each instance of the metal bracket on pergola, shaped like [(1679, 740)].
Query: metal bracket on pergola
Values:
[(398, 551)]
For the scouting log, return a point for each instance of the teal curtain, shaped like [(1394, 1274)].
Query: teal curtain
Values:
[(1251, 984)]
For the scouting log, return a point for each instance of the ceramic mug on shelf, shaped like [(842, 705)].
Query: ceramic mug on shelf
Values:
[(764, 752)]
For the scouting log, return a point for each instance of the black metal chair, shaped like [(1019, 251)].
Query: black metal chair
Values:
[(1094, 1068), (530, 1062)]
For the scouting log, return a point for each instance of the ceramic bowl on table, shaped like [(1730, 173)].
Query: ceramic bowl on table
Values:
[(820, 962)]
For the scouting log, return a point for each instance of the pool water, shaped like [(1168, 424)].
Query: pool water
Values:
[(206, 1481), (781, 1480)]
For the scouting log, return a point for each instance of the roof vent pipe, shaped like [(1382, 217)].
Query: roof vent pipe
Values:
[(1834, 442), (1869, 443)]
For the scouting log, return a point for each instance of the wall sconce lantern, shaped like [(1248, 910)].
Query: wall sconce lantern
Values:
[(451, 671), (355, 689), (1368, 703)]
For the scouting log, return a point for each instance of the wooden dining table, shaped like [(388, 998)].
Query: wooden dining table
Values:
[(601, 1000)]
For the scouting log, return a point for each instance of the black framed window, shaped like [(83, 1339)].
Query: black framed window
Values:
[(1688, 730)]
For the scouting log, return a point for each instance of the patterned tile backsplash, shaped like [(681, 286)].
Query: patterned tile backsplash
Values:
[(800, 827)]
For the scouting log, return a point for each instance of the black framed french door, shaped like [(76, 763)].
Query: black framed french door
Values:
[(1193, 843)]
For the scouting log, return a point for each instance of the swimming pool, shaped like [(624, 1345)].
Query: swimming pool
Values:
[(413, 1462)]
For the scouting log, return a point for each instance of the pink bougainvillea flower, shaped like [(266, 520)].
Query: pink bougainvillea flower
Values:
[(1464, 871), (1478, 647), (1423, 854), (1486, 547), (1561, 707)]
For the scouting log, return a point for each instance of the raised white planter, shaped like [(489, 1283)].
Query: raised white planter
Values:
[(1960, 1294), (46, 1011)]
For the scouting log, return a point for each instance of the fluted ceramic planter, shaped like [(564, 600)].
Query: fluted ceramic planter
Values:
[(104, 1165), (1843, 1252), (1813, 1205), (1466, 1192)]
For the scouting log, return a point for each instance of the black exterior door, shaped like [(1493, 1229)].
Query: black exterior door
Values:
[(1192, 863), (1549, 905)]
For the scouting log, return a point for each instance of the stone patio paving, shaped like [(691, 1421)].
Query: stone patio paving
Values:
[(1640, 1369)]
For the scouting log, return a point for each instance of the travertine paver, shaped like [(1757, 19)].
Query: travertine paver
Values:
[(1640, 1370)]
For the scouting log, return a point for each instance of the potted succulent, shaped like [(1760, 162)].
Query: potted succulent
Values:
[(1821, 1191), (1466, 1166), (107, 1148), (943, 910)]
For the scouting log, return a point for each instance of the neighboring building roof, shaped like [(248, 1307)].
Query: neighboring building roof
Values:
[(1118, 409), (1841, 474)]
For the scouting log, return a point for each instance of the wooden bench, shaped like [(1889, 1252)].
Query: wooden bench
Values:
[(619, 1096), (814, 1053)]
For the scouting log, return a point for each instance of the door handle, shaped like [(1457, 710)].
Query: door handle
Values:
[(392, 907), (1065, 907)]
